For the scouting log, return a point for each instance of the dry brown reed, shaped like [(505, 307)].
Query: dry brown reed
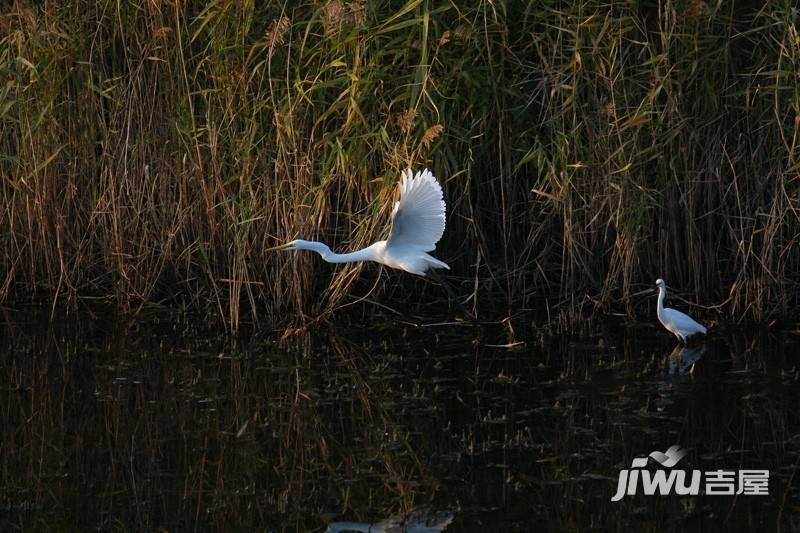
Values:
[(150, 151)]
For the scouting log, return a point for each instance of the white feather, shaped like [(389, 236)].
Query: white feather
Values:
[(418, 219)]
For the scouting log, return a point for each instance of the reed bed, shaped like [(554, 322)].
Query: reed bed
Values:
[(150, 151)]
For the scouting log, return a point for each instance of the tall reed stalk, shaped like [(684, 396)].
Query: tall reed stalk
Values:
[(152, 150)]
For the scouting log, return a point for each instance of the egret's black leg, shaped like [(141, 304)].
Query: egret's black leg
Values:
[(451, 293)]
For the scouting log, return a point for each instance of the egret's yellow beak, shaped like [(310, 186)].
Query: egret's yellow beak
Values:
[(286, 246)]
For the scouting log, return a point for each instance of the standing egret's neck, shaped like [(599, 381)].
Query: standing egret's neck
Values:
[(366, 254), (662, 293)]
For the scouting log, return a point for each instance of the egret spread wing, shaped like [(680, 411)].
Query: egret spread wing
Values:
[(418, 218)]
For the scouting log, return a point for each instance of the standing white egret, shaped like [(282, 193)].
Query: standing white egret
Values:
[(679, 324), (417, 225)]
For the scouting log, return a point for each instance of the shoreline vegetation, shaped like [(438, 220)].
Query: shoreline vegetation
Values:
[(150, 151)]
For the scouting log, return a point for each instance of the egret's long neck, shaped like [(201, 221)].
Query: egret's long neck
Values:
[(662, 293), (366, 254)]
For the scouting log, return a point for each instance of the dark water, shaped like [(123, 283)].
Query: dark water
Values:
[(165, 427)]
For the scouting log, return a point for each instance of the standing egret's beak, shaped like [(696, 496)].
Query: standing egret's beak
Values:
[(287, 246)]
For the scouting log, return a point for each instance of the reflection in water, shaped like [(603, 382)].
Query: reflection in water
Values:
[(683, 358), (677, 382), (167, 427), (418, 521)]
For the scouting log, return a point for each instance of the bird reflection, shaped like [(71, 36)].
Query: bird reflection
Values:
[(418, 521), (681, 365), (683, 359)]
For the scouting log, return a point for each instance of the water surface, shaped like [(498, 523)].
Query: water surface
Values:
[(163, 425)]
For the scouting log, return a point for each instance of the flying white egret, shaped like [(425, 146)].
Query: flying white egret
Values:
[(679, 324), (417, 225)]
